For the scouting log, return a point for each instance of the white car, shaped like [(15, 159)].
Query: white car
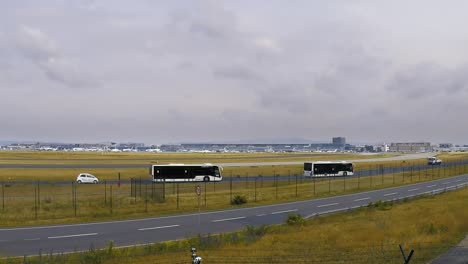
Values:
[(86, 178)]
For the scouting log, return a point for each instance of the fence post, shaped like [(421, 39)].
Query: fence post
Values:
[(247, 180), (205, 194), (255, 189), (313, 179), (344, 183), (146, 197), (276, 187), (177, 195), (3, 197), (111, 199), (38, 194), (358, 180), (296, 184), (75, 197), (382, 172), (105, 192), (230, 187), (35, 202)]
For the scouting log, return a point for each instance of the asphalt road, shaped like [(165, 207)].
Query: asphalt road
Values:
[(68, 238), (146, 164)]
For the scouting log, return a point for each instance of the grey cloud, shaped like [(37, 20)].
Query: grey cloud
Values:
[(36, 45), (40, 49), (236, 72), (428, 79), (293, 98), (228, 69)]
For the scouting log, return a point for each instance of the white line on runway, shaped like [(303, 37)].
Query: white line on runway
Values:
[(261, 215), (325, 205), (228, 219), (446, 182), (78, 235), (459, 180), (415, 189), (390, 194), (431, 186), (362, 199), (286, 211), (31, 239), (157, 227)]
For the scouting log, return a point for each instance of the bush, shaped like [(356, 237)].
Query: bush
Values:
[(239, 199), (381, 205), (295, 219)]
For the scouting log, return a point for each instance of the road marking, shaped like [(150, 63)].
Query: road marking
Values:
[(459, 180), (362, 199), (431, 186), (415, 189), (446, 183), (78, 235), (31, 239), (261, 215), (390, 194), (157, 227), (229, 219), (325, 205), (286, 211)]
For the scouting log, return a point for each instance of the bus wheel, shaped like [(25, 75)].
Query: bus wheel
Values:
[(206, 179), (345, 173)]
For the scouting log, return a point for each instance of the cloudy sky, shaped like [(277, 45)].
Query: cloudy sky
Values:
[(177, 71)]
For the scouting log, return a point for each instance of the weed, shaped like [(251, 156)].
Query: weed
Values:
[(238, 200), (295, 219)]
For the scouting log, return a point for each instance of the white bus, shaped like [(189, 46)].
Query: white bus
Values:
[(185, 173), (328, 168)]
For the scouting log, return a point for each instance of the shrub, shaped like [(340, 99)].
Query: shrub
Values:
[(295, 219), (239, 199)]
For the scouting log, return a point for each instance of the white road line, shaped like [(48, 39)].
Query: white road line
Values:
[(459, 180), (431, 186), (229, 219), (388, 194), (325, 205), (446, 182), (261, 215), (362, 199), (157, 227), (286, 211), (415, 189), (31, 239), (78, 235)]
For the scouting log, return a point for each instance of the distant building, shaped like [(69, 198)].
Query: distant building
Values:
[(446, 145), (411, 147), (341, 141)]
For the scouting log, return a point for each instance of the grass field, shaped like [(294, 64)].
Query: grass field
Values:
[(54, 203), (13, 157), (367, 235)]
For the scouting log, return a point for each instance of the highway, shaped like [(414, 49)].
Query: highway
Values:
[(68, 238)]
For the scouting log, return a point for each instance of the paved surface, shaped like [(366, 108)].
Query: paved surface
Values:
[(67, 238), (456, 255), (230, 164)]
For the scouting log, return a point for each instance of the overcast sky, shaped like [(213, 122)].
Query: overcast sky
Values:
[(178, 71)]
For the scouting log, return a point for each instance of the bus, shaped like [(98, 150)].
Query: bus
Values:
[(328, 168), (186, 173)]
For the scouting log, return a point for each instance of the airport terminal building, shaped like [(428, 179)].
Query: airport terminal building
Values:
[(411, 147)]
